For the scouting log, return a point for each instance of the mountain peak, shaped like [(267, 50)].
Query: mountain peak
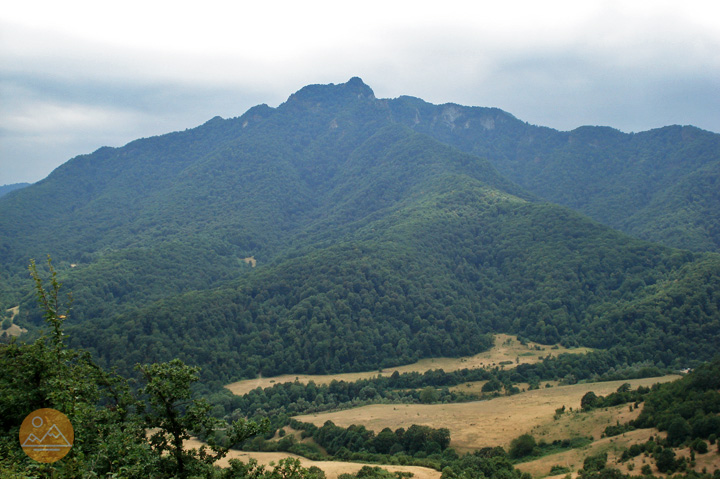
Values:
[(314, 95), (357, 85)]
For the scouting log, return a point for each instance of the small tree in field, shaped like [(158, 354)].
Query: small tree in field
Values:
[(522, 446), (588, 401)]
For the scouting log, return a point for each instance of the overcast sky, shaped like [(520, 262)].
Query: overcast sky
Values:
[(78, 75)]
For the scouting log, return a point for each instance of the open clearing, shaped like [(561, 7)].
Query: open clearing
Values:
[(507, 353), (14, 330), (573, 459), (332, 469), (489, 423), (614, 446)]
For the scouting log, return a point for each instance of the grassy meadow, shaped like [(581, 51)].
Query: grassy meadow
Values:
[(487, 423), (507, 353)]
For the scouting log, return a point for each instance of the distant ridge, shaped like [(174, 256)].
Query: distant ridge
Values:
[(5, 189), (660, 185)]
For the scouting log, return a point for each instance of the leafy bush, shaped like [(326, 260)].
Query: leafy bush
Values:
[(522, 446)]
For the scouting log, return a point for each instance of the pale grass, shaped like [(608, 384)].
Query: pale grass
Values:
[(507, 349), (332, 469), (14, 330), (573, 459), (479, 424), (251, 261)]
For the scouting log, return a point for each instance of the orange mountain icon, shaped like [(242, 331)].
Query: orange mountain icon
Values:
[(53, 438), (46, 435)]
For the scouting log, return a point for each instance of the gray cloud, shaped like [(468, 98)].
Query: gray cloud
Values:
[(63, 94)]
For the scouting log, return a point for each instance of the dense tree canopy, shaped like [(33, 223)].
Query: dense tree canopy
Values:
[(329, 235)]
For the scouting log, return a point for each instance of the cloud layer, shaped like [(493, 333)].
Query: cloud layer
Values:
[(78, 75)]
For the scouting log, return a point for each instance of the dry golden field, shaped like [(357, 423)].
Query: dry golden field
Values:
[(573, 459), (507, 353), (492, 422), (332, 469)]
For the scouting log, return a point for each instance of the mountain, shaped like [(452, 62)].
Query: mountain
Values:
[(660, 185), (326, 235), (5, 189)]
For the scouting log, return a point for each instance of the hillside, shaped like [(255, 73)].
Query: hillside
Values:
[(376, 245), (660, 185)]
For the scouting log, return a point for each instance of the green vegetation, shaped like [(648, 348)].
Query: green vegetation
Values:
[(595, 463), (109, 418), (660, 185), (370, 472), (5, 189), (522, 446), (376, 245), (526, 448), (381, 237), (687, 409)]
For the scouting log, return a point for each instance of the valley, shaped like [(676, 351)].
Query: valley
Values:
[(500, 420), (445, 284), (494, 421)]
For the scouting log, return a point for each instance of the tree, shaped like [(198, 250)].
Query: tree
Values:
[(50, 302), (665, 460), (588, 401), (109, 420), (678, 431), (700, 446), (175, 417), (491, 386), (595, 463), (288, 468), (522, 446), (428, 395), (47, 374)]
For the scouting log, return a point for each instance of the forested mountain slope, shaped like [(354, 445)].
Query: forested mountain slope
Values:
[(5, 189), (375, 245), (660, 185)]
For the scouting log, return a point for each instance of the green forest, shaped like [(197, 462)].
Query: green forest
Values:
[(112, 416), (339, 233)]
